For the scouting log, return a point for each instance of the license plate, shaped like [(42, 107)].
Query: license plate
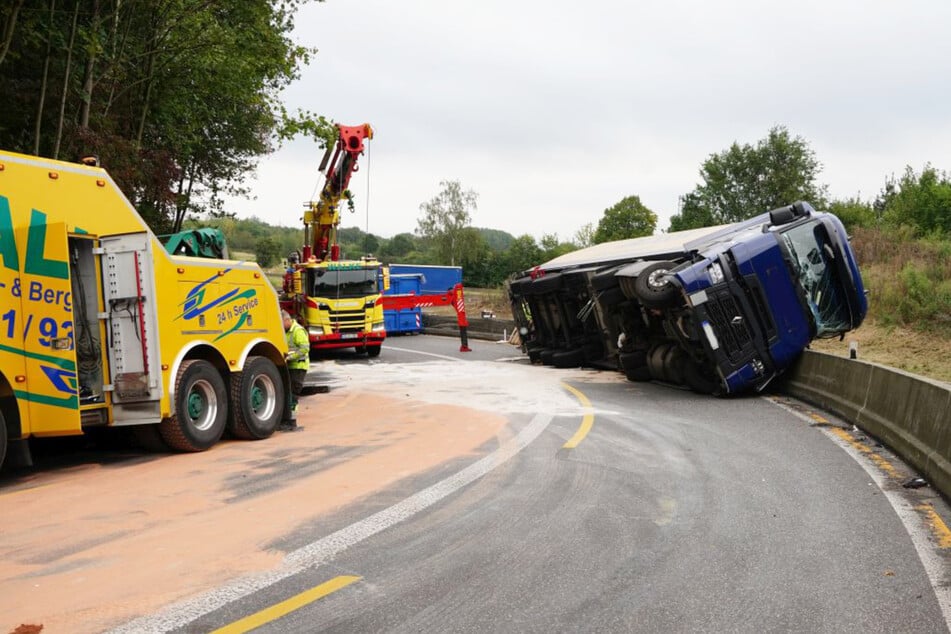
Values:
[(348, 335)]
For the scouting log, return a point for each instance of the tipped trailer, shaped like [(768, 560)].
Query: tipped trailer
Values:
[(718, 309)]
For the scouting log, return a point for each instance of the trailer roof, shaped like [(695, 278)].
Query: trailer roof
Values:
[(662, 246)]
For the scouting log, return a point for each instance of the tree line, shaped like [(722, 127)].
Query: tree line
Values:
[(177, 98)]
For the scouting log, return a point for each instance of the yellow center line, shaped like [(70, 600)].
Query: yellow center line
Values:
[(284, 608), (586, 422)]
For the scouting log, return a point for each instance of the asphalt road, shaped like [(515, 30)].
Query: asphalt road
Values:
[(675, 512)]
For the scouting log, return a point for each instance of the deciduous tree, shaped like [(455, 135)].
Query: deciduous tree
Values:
[(746, 180), (628, 218), (445, 220)]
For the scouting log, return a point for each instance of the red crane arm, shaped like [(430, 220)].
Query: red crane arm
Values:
[(453, 297)]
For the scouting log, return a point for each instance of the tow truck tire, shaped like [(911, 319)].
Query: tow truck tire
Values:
[(374, 351), (3, 439), (257, 399), (652, 288), (201, 408)]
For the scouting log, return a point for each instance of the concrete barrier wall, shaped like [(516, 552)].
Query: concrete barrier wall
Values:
[(909, 414), (479, 328)]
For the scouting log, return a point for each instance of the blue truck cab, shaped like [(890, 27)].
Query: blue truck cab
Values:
[(720, 309)]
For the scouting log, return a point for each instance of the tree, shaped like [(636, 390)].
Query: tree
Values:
[(445, 221), (853, 212), (921, 201), (584, 237), (747, 180), (178, 98), (628, 218), (397, 246), (267, 251), (523, 254), (552, 247)]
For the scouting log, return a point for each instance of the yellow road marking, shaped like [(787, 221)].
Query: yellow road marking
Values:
[(283, 608), (586, 422), (866, 451), (938, 528)]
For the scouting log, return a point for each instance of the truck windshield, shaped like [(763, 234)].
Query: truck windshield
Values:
[(334, 284), (813, 262)]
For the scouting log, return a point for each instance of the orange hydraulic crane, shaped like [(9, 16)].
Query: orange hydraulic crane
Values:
[(323, 215)]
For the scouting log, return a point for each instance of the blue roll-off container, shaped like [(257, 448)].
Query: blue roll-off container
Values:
[(420, 279)]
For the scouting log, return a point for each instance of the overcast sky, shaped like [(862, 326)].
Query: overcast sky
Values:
[(554, 111)]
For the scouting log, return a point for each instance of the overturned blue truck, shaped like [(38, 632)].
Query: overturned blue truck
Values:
[(719, 309)]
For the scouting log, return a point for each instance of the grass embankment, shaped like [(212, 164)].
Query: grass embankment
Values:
[(909, 321)]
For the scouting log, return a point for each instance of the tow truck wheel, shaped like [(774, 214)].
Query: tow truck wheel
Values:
[(3, 439), (374, 351), (652, 287), (257, 400), (201, 408)]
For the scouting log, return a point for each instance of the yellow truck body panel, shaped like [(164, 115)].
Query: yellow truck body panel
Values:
[(96, 318)]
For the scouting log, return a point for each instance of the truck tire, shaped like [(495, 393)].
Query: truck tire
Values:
[(568, 358), (545, 356), (374, 351), (201, 408), (3, 439), (699, 379), (257, 399), (634, 365), (149, 438), (653, 289), (673, 364)]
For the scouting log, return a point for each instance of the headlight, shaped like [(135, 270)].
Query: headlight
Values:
[(378, 326), (715, 271)]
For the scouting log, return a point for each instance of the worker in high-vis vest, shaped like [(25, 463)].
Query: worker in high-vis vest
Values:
[(298, 355)]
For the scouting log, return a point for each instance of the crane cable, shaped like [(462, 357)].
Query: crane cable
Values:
[(366, 237)]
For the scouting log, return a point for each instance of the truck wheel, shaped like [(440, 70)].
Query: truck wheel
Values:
[(3, 439), (201, 408), (374, 351), (652, 287), (673, 364), (257, 400), (149, 438), (568, 358), (699, 379), (634, 365)]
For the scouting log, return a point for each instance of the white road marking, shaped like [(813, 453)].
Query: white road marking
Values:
[(325, 549), (910, 518)]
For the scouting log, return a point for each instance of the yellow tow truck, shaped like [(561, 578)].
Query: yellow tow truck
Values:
[(101, 327)]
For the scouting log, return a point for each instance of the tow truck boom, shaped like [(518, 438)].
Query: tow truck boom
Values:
[(322, 216)]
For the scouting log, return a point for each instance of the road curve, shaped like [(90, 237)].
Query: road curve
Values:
[(670, 511)]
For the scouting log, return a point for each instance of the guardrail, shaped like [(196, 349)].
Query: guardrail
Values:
[(909, 414), (491, 329)]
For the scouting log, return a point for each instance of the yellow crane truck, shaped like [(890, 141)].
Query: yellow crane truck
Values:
[(101, 327)]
